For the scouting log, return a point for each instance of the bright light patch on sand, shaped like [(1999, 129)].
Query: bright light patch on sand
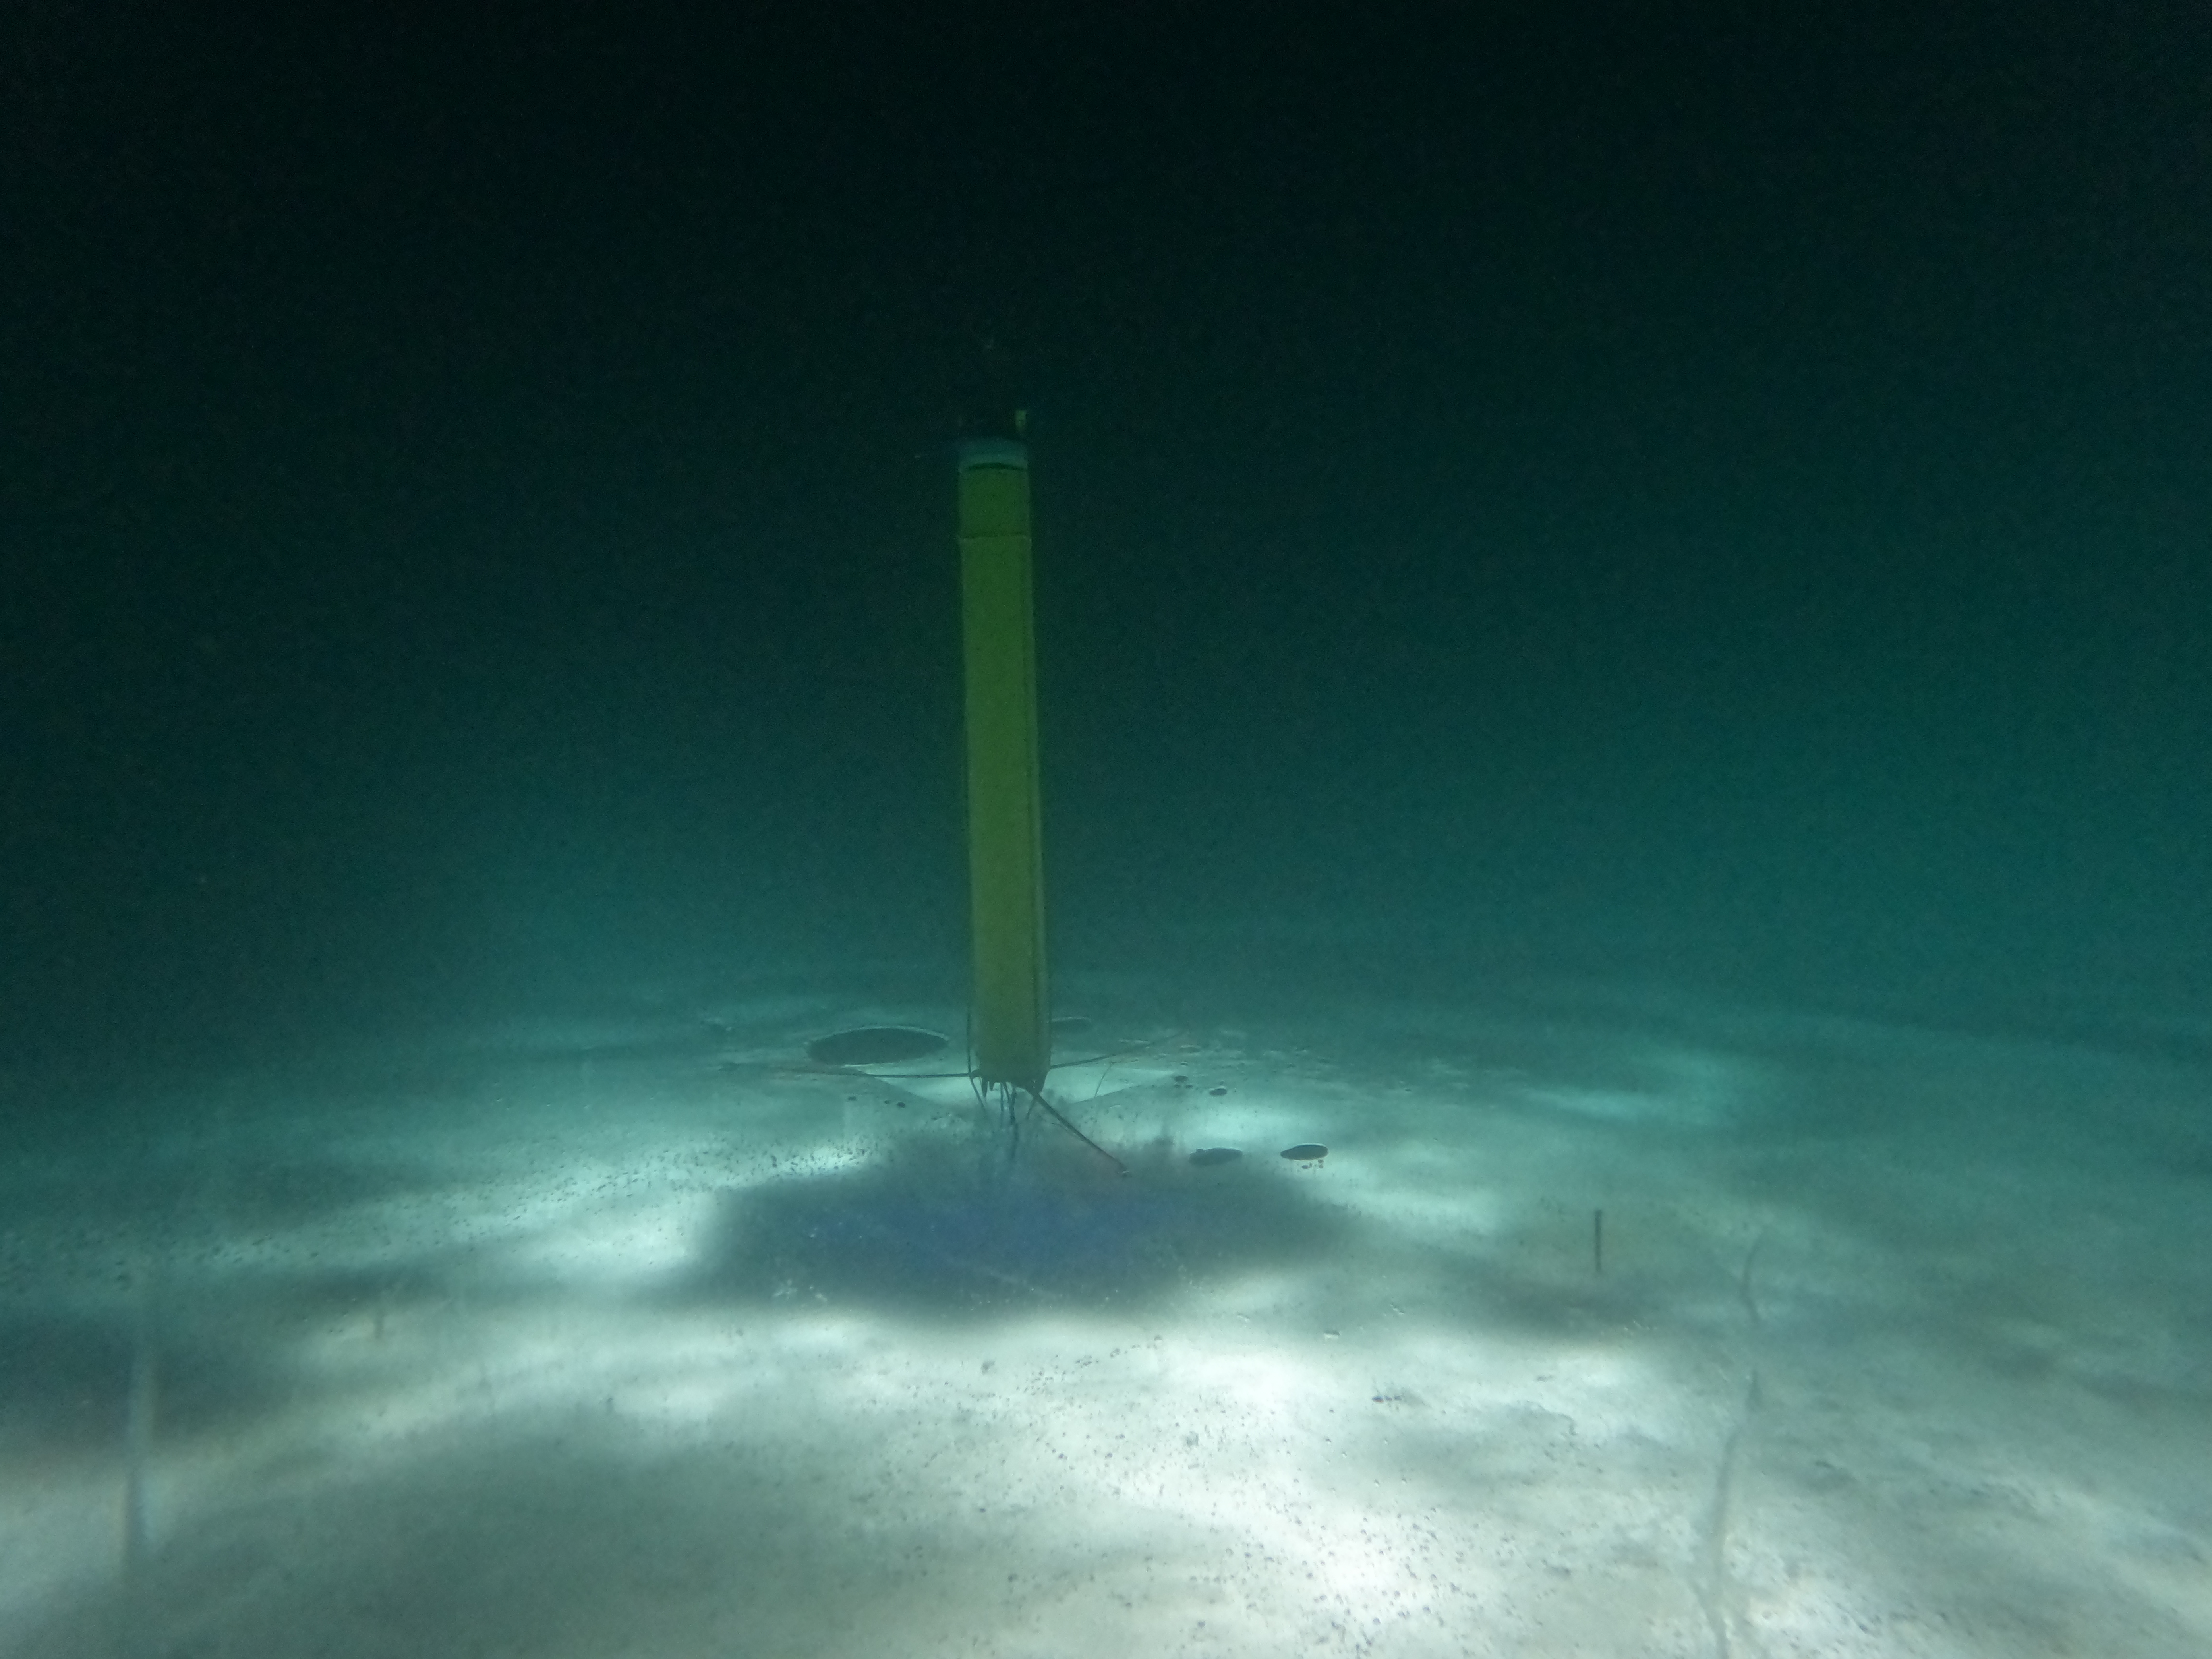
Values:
[(564, 1366), (630, 1241)]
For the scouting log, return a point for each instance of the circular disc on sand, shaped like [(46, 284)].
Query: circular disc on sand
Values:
[(873, 1045)]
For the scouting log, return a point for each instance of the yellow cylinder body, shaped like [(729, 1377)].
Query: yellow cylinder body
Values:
[(1011, 1030)]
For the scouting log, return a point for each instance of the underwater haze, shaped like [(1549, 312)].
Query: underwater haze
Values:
[(1622, 599)]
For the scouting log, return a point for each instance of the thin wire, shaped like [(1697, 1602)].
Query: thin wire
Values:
[(1010, 1101)]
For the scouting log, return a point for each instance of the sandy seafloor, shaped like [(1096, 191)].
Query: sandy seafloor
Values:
[(632, 1336)]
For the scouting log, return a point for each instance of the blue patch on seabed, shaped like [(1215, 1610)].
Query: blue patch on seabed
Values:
[(1010, 1237), (941, 1228)]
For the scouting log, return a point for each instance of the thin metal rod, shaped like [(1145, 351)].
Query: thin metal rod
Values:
[(1120, 1167)]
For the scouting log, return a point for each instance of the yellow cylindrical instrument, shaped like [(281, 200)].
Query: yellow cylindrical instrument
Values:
[(1010, 1032)]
